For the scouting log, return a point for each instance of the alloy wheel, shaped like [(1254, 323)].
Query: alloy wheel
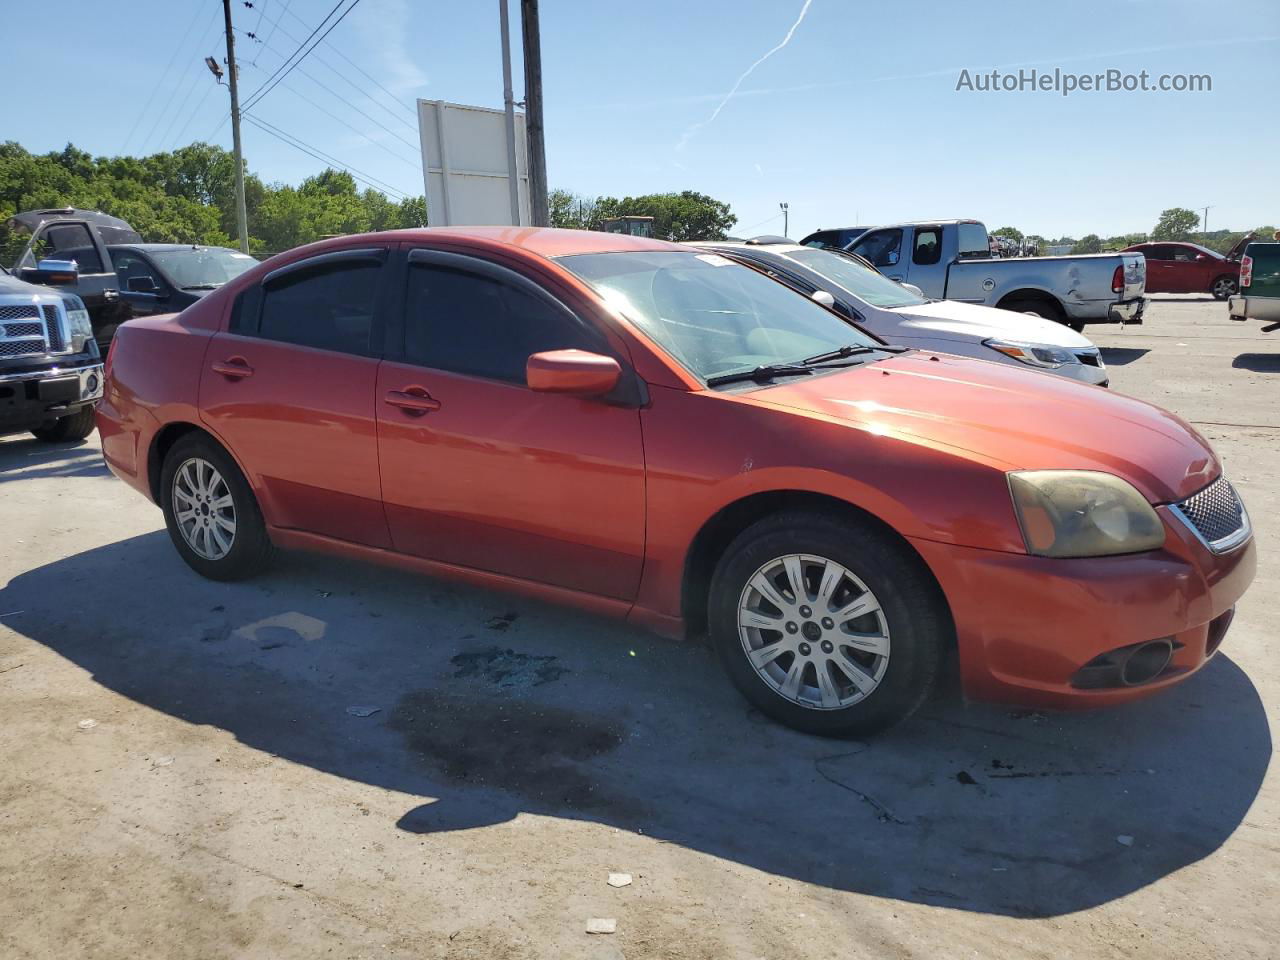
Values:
[(1224, 288), (204, 509), (813, 632)]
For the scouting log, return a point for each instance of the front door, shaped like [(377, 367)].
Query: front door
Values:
[(482, 472), (290, 389)]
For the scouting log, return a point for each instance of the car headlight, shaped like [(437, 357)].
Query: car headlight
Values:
[(1082, 513), (1035, 354), (78, 324)]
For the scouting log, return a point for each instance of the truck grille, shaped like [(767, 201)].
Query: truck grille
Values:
[(25, 332), (1217, 516), (53, 327)]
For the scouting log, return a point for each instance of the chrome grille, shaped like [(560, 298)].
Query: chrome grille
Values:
[(21, 348), (54, 327), (1217, 516), (22, 331), (18, 313)]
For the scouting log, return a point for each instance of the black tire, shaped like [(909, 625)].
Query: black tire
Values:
[(914, 611), (250, 550), (1040, 308), (75, 426), (1224, 286)]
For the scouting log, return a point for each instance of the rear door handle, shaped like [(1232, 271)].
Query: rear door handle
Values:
[(414, 401), (233, 368)]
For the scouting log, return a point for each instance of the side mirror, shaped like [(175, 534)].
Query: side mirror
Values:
[(824, 298), (52, 273), (572, 371), (142, 284), (913, 289)]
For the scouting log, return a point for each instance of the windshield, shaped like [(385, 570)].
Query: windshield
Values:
[(855, 278), (202, 266), (713, 315)]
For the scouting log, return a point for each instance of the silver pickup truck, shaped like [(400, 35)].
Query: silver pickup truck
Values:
[(951, 260)]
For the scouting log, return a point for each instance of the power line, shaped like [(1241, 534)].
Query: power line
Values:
[(382, 146), (163, 77), (394, 97), (191, 116), (173, 92), (345, 79), (301, 54), (333, 93), (195, 78), (275, 23), (318, 154)]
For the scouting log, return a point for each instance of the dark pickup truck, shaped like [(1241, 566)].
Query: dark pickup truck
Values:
[(50, 368)]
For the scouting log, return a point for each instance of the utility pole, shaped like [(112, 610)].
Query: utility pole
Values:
[(508, 99), (786, 219), (242, 218), (1204, 220), (533, 113)]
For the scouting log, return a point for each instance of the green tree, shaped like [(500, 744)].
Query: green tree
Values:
[(1176, 223), (1090, 243), (1013, 233), (687, 215)]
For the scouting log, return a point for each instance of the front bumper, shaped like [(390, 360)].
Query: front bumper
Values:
[(30, 398), (1266, 309), (1026, 625), (1127, 311)]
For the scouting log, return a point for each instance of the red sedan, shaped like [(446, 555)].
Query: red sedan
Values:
[(654, 432), (1190, 268)]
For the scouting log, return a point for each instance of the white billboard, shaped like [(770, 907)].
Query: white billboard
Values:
[(465, 165)]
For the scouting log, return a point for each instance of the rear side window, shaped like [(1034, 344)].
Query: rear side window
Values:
[(330, 307), (474, 324), (928, 246), (973, 241)]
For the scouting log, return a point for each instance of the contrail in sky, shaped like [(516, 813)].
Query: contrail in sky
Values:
[(688, 134)]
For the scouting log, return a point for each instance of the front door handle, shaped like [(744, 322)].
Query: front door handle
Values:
[(233, 368), (414, 401)]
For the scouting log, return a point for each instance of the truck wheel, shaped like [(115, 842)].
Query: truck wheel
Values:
[(1037, 308), (828, 625), (76, 426), (211, 513), (1223, 287)]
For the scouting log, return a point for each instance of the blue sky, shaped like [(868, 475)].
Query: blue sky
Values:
[(855, 120)]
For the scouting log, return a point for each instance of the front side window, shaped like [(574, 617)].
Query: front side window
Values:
[(864, 283), (330, 306), (710, 314), (132, 272), (881, 247), (68, 241), (475, 324)]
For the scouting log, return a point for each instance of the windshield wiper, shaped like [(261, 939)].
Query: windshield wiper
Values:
[(852, 350), (769, 371), (203, 286)]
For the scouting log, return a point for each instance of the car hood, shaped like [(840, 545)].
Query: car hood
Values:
[(1010, 418), (952, 320), (12, 286)]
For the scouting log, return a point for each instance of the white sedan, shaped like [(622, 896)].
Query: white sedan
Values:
[(897, 313)]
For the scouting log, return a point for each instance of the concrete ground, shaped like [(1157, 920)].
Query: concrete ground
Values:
[(196, 770)]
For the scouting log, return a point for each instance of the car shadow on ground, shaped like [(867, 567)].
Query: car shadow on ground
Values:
[(488, 707), (1258, 362), (1183, 298), (1119, 356), (30, 459)]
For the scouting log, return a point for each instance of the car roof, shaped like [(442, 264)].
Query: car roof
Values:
[(161, 247), (543, 241)]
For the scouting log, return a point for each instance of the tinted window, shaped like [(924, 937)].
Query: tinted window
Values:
[(973, 241), (330, 307), (928, 246), (70, 241), (880, 247), (475, 324), (1157, 253), (129, 265)]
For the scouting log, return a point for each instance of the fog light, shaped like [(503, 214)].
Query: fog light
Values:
[(91, 385)]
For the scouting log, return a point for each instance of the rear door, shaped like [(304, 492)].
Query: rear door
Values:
[(482, 472), (289, 387)]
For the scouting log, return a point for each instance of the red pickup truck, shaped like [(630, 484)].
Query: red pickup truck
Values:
[(1191, 268)]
